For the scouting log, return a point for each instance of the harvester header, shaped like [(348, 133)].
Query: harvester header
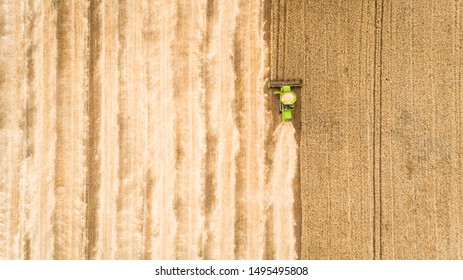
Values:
[(287, 82)]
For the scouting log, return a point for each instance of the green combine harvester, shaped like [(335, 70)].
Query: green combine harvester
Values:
[(287, 96)]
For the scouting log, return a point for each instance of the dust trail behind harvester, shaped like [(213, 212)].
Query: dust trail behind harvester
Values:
[(282, 172)]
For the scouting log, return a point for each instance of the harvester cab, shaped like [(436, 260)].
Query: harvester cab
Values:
[(287, 96)]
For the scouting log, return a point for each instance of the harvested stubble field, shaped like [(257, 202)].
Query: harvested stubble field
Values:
[(141, 130), (145, 129)]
